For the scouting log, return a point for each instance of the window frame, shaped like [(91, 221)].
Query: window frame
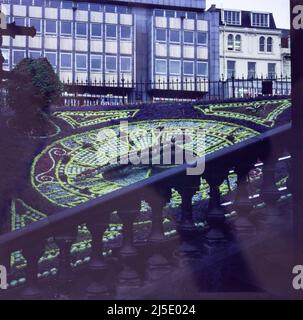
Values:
[(71, 28), (130, 34), (111, 37), (156, 35), (184, 72), (170, 68), (161, 60), (45, 27), (170, 33), (206, 37), (76, 62), (187, 32), (130, 65), (78, 35), (71, 60), (52, 52), (91, 31), (13, 57), (111, 70), (207, 71), (91, 60)]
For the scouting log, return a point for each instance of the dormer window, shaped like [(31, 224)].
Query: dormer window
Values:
[(232, 17), (260, 20)]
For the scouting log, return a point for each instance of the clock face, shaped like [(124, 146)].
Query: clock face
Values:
[(84, 166)]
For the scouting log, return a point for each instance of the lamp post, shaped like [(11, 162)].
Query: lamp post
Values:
[(296, 7)]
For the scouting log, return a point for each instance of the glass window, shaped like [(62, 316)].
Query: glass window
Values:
[(161, 35), (15, 1), (66, 61), (175, 36), (18, 55), (202, 69), (81, 62), (66, 28), (121, 9), (5, 54), (110, 8), (161, 66), (262, 44), (111, 31), (35, 54), (238, 43), (202, 38), (50, 26), (159, 13), (269, 44), (38, 3), (271, 70), (111, 64), (260, 20), (67, 4), (52, 58), (125, 32), (251, 72), (96, 63), (180, 14), (96, 30), (232, 17), (83, 6), (54, 4), (231, 69), (19, 21), (191, 15), (125, 64), (170, 13), (95, 7), (81, 29), (188, 68), (35, 23), (175, 67), (26, 2), (230, 42), (188, 37)]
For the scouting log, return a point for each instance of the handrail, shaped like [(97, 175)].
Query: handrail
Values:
[(45, 228)]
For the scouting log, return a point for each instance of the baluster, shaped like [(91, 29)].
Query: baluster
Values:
[(64, 275), (216, 235), (129, 275), (158, 264), (97, 266), (243, 205), (32, 254), (186, 227)]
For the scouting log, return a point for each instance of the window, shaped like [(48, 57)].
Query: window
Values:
[(238, 43), (18, 55), (175, 67), (96, 30), (95, 7), (125, 64), (269, 44), (251, 72), (175, 36), (81, 62), (96, 63), (161, 35), (161, 66), (67, 4), (230, 42), (232, 17), (81, 29), (231, 69), (54, 4), (191, 15), (111, 31), (170, 14), (35, 54), (26, 2), (202, 38), (262, 44), (123, 10), (125, 32), (35, 23), (181, 14), (188, 37), (66, 61), (39, 3), (260, 20), (188, 68), (271, 70), (52, 58), (50, 27), (159, 13), (83, 6), (5, 54), (202, 69), (66, 28), (111, 64), (19, 21), (110, 8)]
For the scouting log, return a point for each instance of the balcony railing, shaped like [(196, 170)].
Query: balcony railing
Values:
[(150, 258)]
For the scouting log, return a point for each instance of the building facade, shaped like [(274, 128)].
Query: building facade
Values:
[(250, 45), (120, 43)]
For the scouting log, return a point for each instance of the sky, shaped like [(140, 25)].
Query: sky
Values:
[(280, 8)]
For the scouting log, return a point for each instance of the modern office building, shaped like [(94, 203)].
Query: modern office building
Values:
[(250, 45), (113, 44)]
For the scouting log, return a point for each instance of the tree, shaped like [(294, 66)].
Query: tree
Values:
[(32, 88)]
